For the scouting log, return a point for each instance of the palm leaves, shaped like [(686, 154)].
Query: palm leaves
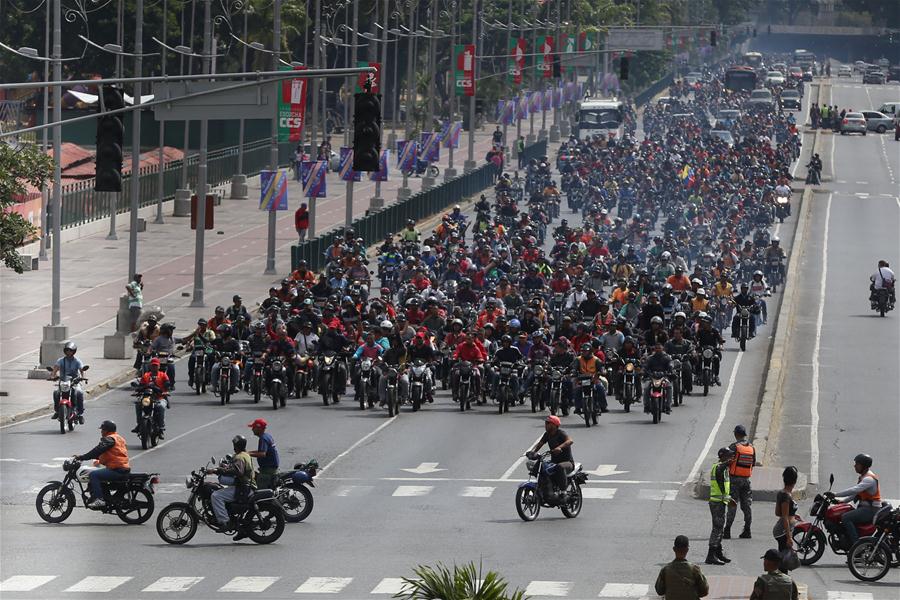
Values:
[(465, 582)]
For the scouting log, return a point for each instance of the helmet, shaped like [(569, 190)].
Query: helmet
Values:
[(110, 426), (705, 318), (224, 329), (680, 314), (537, 334), (506, 339), (863, 459), (455, 322), (219, 309), (701, 292), (724, 453), (426, 248), (552, 419), (757, 272), (201, 321), (514, 323), (239, 443), (386, 324), (657, 319), (665, 255), (776, 240), (70, 346), (586, 347), (152, 319)]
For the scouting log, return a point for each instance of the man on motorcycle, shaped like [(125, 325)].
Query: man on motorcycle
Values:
[(867, 492), (709, 336), (420, 348), (202, 337), (148, 332), (506, 353), (589, 364), (882, 279), (560, 445), (225, 344), (661, 362), (682, 348), (164, 345), (744, 300), (154, 377), (69, 367), (469, 349), (239, 481), (112, 453), (237, 310)]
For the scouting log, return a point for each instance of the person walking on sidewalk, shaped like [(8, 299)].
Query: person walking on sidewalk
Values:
[(266, 454), (135, 291), (680, 579), (719, 499), (740, 470), (520, 151), (773, 584), (497, 137), (301, 222)]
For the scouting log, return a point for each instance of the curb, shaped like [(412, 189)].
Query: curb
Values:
[(761, 493)]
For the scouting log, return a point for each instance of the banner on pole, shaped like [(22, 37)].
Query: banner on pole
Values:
[(557, 97), (346, 166), (382, 173), (522, 107), (465, 69), (516, 60), (407, 152), (571, 48), (545, 64), (291, 107), (431, 146), (374, 78), (509, 112), (273, 190), (312, 177), (451, 134), (534, 100), (547, 102)]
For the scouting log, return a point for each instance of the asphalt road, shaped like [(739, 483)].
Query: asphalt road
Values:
[(374, 520)]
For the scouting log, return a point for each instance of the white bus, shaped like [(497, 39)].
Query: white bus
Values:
[(804, 58), (600, 117), (753, 60)]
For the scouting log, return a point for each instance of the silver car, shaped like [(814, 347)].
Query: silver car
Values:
[(853, 122), (877, 121), (723, 135)]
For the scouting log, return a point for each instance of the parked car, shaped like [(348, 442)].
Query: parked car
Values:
[(877, 121), (807, 75), (873, 76), (853, 122), (845, 71), (790, 99)]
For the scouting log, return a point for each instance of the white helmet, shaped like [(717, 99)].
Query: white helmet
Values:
[(665, 255), (386, 324)]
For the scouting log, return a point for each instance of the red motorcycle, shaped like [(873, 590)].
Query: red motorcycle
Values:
[(809, 538)]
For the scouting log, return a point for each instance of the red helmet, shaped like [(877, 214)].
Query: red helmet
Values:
[(552, 419)]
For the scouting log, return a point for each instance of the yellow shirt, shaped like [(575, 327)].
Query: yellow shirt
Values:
[(721, 290)]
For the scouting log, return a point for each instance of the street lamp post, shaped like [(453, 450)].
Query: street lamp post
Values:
[(469, 165), (199, 241), (450, 172), (113, 197), (317, 41), (45, 196), (160, 167), (348, 208), (404, 191), (554, 128), (377, 201), (183, 194), (135, 177), (273, 148)]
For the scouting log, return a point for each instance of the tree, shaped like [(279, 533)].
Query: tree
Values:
[(18, 167), (460, 583)]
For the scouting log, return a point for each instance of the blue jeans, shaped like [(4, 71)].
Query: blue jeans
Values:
[(98, 476), (160, 414), (77, 397), (864, 513), (235, 376), (599, 396), (219, 498)]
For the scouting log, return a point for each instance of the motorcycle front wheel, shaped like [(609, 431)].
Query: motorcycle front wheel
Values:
[(137, 509), (267, 524), (63, 416), (176, 523), (572, 505), (868, 560), (809, 545), (528, 504), (297, 503), (54, 503)]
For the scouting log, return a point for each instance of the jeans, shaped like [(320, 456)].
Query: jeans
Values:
[(301, 234), (599, 397), (76, 395), (98, 476), (864, 513), (402, 387), (160, 414), (235, 376), (219, 498)]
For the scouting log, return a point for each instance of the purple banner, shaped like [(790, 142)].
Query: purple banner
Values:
[(346, 166), (431, 146), (382, 173), (407, 151), (312, 175), (522, 108), (547, 103), (509, 111)]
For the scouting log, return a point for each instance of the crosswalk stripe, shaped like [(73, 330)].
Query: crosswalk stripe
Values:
[(390, 585), (598, 493), (474, 491), (413, 490), (24, 583), (850, 596), (352, 490), (657, 494), (96, 583), (248, 584), (548, 588), (323, 585), (624, 590), (172, 584)]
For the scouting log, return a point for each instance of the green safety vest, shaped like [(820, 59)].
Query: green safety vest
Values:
[(716, 493)]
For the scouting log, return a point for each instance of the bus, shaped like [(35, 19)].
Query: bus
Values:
[(804, 58), (740, 78), (753, 60), (600, 117)]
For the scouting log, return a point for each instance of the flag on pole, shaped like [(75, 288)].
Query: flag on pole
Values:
[(534, 100), (407, 151), (547, 102), (522, 107), (273, 190), (431, 146), (382, 173), (312, 176), (509, 111), (346, 166)]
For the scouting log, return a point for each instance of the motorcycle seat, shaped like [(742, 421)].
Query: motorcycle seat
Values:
[(138, 477), (262, 495), (575, 471)]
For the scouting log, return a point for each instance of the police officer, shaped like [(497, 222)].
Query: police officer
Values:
[(773, 584), (681, 580), (739, 471), (719, 499)]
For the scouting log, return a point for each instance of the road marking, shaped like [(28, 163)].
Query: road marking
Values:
[(862, 183), (248, 584), (323, 585), (519, 461), (598, 493), (657, 494), (24, 583), (356, 445), (423, 468), (172, 584), (352, 490), (605, 471), (413, 490), (78, 312), (390, 585), (817, 346), (861, 194), (548, 588), (485, 480), (98, 584), (473, 491), (715, 430), (178, 437), (12, 460), (624, 590), (850, 596)]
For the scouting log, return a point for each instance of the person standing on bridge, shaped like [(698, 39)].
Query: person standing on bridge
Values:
[(740, 470)]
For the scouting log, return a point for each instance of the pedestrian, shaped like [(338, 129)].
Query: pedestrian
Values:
[(739, 471), (298, 161), (814, 115), (719, 499), (135, 291), (786, 510), (266, 454), (497, 161), (301, 222), (773, 584), (497, 137), (520, 150), (680, 579)]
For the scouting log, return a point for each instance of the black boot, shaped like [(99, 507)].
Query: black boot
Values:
[(745, 534), (726, 535), (711, 558), (720, 554)]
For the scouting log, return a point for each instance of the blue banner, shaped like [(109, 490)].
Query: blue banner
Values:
[(312, 176), (431, 146), (382, 173), (346, 166), (273, 190), (407, 151)]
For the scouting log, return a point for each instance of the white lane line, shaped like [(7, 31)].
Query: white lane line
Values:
[(172, 584), (485, 480), (507, 473), (657, 494), (413, 490), (178, 437), (352, 490), (78, 312), (715, 430), (323, 585), (96, 583), (357, 444), (598, 493), (24, 583), (248, 584), (548, 588), (850, 595), (474, 491), (814, 401), (624, 590), (390, 585)]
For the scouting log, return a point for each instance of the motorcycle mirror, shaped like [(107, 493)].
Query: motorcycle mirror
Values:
[(831, 480), (212, 460), (85, 367)]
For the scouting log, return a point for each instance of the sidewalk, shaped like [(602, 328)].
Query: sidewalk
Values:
[(94, 274)]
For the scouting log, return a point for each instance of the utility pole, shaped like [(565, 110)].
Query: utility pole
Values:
[(135, 178), (428, 181), (161, 168), (529, 139), (184, 192), (348, 209), (240, 168), (558, 47), (273, 148), (469, 165), (377, 201), (450, 172), (404, 191), (509, 4), (201, 168), (317, 42), (45, 196)]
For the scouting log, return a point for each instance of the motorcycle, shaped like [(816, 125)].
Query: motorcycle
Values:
[(259, 515), (677, 390), (882, 301), (225, 378), (65, 389), (149, 398), (418, 374), (557, 399), (366, 384), (743, 332), (506, 395), (303, 368), (588, 407), (329, 372), (292, 493), (629, 392), (538, 386), (539, 491), (202, 355), (463, 392), (256, 376), (707, 356), (880, 551), (392, 391), (130, 499), (659, 384), (774, 272), (276, 387), (782, 207)]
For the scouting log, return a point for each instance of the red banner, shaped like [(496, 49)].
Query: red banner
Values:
[(545, 47), (465, 68), (292, 108), (375, 78)]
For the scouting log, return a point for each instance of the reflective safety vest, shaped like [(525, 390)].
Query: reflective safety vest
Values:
[(745, 456), (867, 496), (716, 492), (117, 456)]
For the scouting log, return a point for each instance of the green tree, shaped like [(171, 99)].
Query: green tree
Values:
[(18, 167), (459, 583)]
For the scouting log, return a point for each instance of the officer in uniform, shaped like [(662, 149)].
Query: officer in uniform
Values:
[(719, 499), (681, 580), (739, 471), (773, 584)]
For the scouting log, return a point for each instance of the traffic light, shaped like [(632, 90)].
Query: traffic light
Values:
[(712, 37), (366, 132), (110, 138), (623, 68)]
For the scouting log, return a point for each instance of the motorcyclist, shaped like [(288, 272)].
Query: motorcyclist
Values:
[(759, 289), (588, 364), (280, 346), (157, 378), (67, 368), (656, 332), (239, 480), (468, 349), (112, 453), (867, 492), (882, 279), (660, 362), (561, 358), (237, 310), (506, 353), (258, 343), (226, 344), (744, 300), (560, 445), (709, 336), (682, 348), (164, 346), (145, 335), (202, 337), (420, 348)]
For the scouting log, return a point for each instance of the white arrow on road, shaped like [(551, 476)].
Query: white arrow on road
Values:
[(424, 469), (605, 471)]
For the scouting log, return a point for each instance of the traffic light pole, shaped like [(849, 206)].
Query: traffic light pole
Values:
[(200, 222), (135, 178), (377, 201), (348, 208), (273, 149), (315, 110), (469, 165)]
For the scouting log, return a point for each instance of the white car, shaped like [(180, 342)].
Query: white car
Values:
[(775, 78), (845, 71)]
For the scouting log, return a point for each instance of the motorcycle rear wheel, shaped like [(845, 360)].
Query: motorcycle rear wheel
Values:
[(297, 503), (138, 509), (53, 499), (811, 549), (268, 524), (572, 506), (868, 560), (528, 504), (743, 344), (176, 523)]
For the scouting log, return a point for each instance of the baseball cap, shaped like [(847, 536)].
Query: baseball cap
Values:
[(772, 554), (740, 430), (154, 361), (258, 423), (552, 419)]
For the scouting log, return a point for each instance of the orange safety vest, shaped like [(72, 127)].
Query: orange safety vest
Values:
[(588, 367), (866, 496), (117, 456), (745, 456)]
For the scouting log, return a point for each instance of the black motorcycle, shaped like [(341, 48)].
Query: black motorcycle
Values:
[(589, 408), (276, 382), (130, 499), (464, 391), (292, 493), (871, 557), (149, 397), (506, 395), (418, 377), (881, 301), (539, 385), (259, 514), (330, 373), (707, 370)]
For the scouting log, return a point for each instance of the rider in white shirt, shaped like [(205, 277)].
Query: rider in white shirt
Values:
[(883, 278)]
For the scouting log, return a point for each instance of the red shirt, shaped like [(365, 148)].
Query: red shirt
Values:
[(301, 219), (470, 352), (161, 380)]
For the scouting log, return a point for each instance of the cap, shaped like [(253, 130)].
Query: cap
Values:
[(740, 430), (108, 426), (258, 423), (552, 419), (772, 554), (236, 298), (682, 541), (154, 361)]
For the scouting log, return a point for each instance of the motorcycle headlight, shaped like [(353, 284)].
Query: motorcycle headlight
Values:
[(65, 386), (629, 367), (529, 464), (329, 360), (745, 313), (707, 353), (226, 361), (145, 401)]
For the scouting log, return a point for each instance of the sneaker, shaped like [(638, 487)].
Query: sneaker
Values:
[(97, 504), (137, 429)]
